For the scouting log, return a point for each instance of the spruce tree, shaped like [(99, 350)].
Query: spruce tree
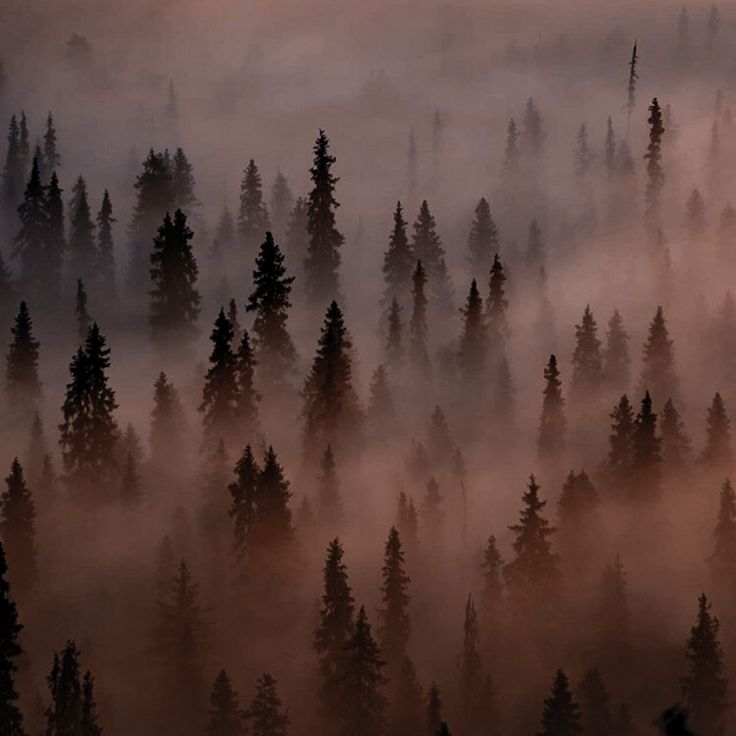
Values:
[(322, 259), (433, 710), (561, 715), (30, 244), (219, 407), (675, 442), (54, 244), (721, 561), (552, 426), (105, 267), (331, 412), (253, 219), (616, 359), (427, 247), (361, 702), (647, 454), (130, 482), (418, 353), (22, 383), (512, 154), (243, 491), (167, 421), (704, 686), (83, 255), (13, 173), (398, 260), (587, 362), (533, 574), (655, 172), (174, 297), (381, 411), (18, 528), (80, 310), (51, 158), (328, 491), (595, 704), (658, 372), (270, 301), (533, 135), (621, 442), (394, 345), (394, 626), (717, 452), (474, 340), (11, 716), (89, 431), (265, 714), (225, 715), (492, 567), (248, 397), (182, 183), (282, 203), (89, 724), (579, 498), (496, 306), (482, 241)]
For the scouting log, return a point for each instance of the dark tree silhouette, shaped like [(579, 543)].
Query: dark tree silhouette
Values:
[(658, 370), (18, 528), (182, 183), (473, 340), (675, 442), (552, 425), (512, 154), (225, 716), (130, 482), (167, 421), (328, 491), (322, 258), (394, 626), (282, 203), (174, 297), (496, 306), (80, 309), (89, 431), (717, 452), (253, 219), (265, 713), (418, 353), (433, 710), (492, 567), (13, 170), (561, 716), (51, 158), (394, 346), (653, 156), (647, 454), (243, 492), (621, 442), (22, 383), (270, 301), (533, 575), (247, 396), (587, 361), (361, 702), (704, 686), (81, 245), (595, 704), (398, 260), (427, 247), (482, 241), (11, 716), (533, 135)]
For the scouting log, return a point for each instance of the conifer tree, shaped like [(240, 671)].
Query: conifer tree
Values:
[(655, 172), (105, 266), (658, 372), (474, 339), (631, 90), (247, 396), (21, 373), (418, 352), (612, 609), (253, 218), (243, 492), (182, 183), (80, 309), (297, 238), (13, 172), (675, 442), (533, 573), (647, 454), (512, 154), (331, 411), (153, 200), (433, 710), (270, 301), (695, 215), (721, 561), (328, 490), (89, 724), (426, 247), (587, 361), (178, 641), (225, 715), (406, 520), (616, 359), (335, 623), (11, 716), (533, 134), (89, 431), (394, 346), (432, 509), (174, 297), (282, 203), (51, 158), (595, 704), (609, 148), (578, 499), (232, 315), (25, 144), (552, 426), (265, 714), (482, 241), (130, 482), (18, 528), (394, 627), (439, 441), (496, 306), (381, 411), (271, 521), (83, 255), (704, 687), (322, 259), (621, 441), (54, 244), (717, 452), (362, 704), (561, 715), (219, 405), (167, 421), (398, 260), (224, 239), (492, 567)]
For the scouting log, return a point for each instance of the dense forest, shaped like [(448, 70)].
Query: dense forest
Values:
[(368, 369)]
